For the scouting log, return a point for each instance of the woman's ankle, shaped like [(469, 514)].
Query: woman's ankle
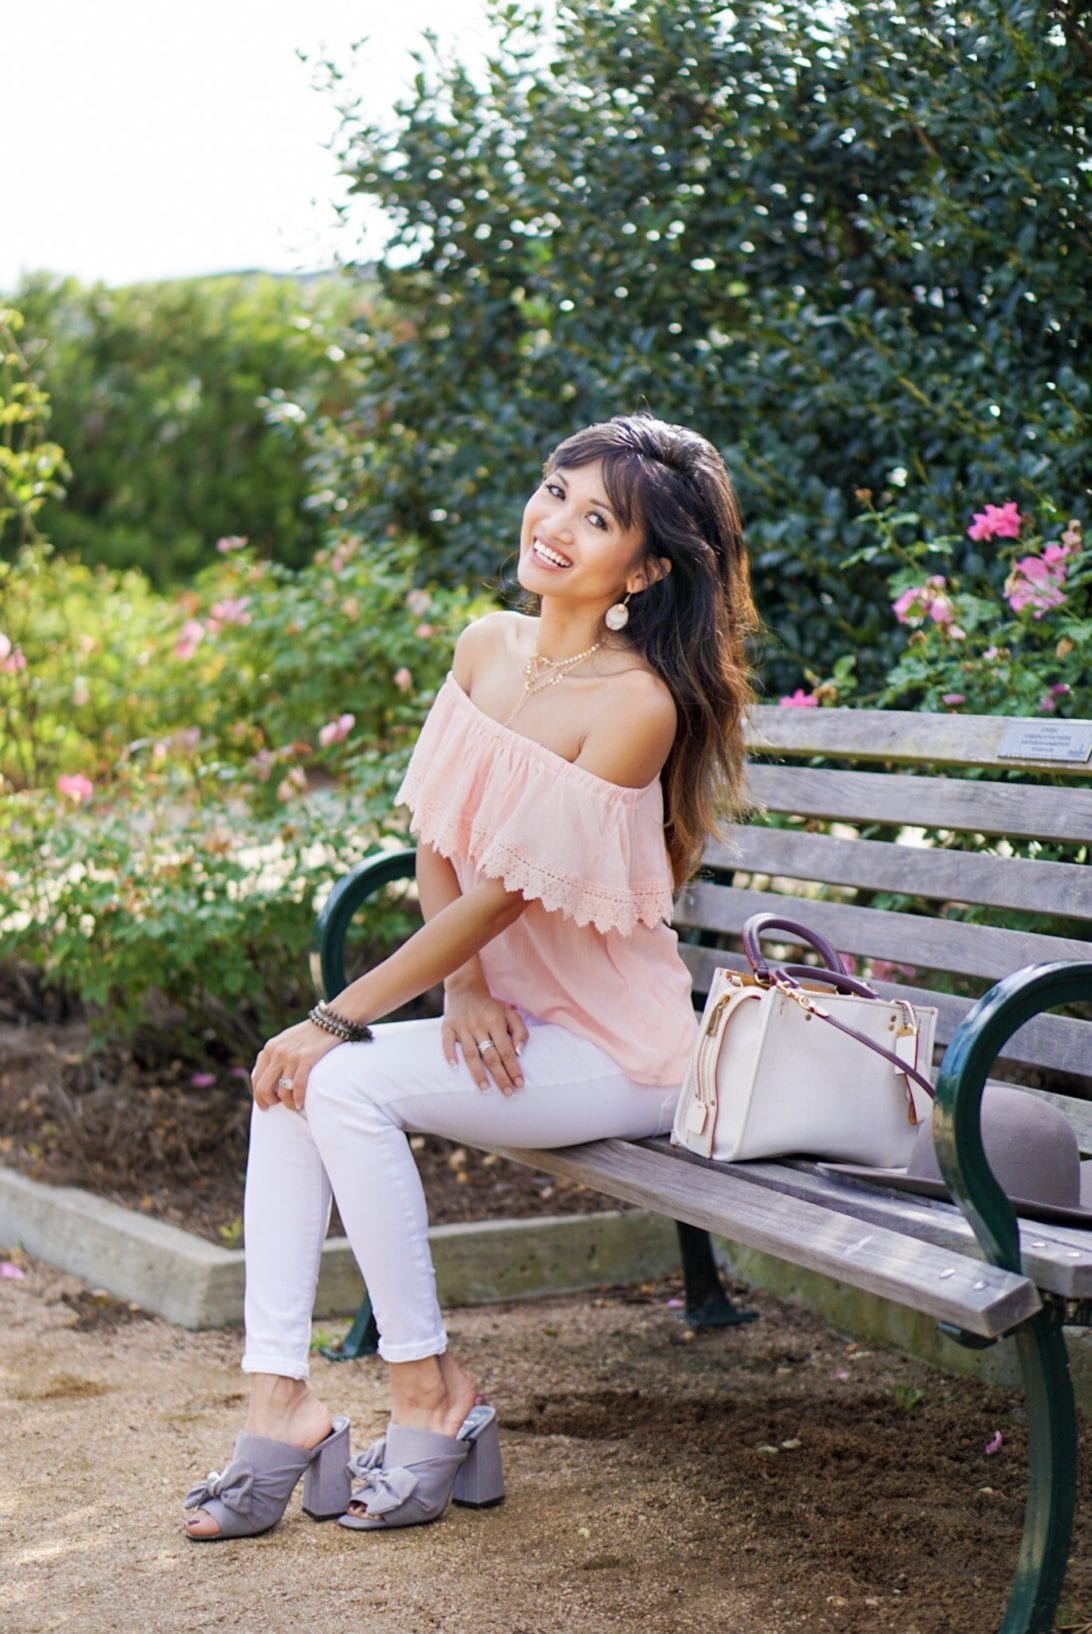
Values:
[(435, 1393), (286, 1410)]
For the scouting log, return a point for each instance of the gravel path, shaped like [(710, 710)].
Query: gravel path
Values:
[(760, 1480)]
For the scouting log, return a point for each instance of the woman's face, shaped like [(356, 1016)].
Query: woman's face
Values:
[(573, 544)]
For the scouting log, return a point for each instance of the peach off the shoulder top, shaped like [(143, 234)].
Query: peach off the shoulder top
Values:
[(591, 951)]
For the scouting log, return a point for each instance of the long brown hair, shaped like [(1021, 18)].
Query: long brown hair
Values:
[(692, 625)]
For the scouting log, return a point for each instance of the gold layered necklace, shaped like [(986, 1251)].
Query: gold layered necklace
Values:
[(540, 672)]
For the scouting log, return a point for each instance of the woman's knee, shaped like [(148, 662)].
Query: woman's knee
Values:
[(337, 1093)]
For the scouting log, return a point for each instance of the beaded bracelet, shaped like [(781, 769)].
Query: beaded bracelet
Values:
[(350, 1032)]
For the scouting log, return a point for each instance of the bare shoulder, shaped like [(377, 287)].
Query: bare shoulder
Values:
[(630, 734), (482, 642)]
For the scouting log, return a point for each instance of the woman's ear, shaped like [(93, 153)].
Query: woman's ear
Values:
[(650, 572)]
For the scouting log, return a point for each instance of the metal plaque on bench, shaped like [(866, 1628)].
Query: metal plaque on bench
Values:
[(1046, 740)]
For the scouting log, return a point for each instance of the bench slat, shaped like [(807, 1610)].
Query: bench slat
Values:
[(1011, 809), (941, 1283), (932, 944), (896, 736), (1063, 888), (1047, 1250), (1060, 1042)]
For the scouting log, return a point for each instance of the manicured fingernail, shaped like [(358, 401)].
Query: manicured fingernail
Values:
[(519, 1049)]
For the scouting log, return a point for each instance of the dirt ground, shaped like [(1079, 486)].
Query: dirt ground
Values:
[(756, 1480)]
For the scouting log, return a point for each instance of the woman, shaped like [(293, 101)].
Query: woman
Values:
[(565, 781)]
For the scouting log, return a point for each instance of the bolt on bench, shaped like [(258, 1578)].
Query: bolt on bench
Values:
[(903, 839)]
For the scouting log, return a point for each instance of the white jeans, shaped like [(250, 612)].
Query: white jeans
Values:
[(351, 1141)]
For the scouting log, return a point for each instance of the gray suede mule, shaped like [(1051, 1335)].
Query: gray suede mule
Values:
[(253, 1492), (408, 1476)]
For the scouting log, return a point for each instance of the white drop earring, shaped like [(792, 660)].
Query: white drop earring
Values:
[(616, 616)]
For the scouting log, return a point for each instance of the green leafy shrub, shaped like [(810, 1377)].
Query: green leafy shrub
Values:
[(842, 242), (274, 711), (184, 409)]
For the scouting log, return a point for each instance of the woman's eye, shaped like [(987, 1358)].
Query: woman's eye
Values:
[(555, 489), (597, 519)]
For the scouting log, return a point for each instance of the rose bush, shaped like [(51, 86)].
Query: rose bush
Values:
[(1011, 633), (183, 777)]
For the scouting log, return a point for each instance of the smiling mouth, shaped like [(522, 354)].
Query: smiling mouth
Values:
[(546, 553)]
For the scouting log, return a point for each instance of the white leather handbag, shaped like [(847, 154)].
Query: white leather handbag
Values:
[(803, 1059)]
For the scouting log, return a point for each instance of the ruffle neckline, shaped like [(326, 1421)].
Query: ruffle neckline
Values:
[(557, 833)]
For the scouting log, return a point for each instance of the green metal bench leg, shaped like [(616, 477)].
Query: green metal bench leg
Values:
[(362, 1338), (1044, 1361), (1052, 1477), (707, 1302)]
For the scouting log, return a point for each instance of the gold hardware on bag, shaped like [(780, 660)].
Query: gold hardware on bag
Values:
[(715, 1015)]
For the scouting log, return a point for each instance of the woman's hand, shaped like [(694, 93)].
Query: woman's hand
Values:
[(472, 1017), (279, 1075)]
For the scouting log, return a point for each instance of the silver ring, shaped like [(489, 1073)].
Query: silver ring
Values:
[(286, 1083), (486, 1044)]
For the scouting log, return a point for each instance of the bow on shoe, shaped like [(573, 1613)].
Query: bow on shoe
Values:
[(381, 1489), (234, 1489)]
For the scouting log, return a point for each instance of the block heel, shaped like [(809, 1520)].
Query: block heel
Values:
[(479, 1483), (327, 1485)]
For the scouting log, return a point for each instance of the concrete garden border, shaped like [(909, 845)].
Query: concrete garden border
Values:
[(199, 1284)]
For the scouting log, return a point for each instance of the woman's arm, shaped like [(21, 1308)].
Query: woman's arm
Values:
[(437, 888), (451, 937), (471, 1013)]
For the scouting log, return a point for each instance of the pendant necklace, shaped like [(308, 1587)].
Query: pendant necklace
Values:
[(540, 672)]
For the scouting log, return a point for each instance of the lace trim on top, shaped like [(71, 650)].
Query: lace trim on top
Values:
[(589, 849)]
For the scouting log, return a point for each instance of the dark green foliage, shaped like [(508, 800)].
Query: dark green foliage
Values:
[(183, 410), (838, 247)]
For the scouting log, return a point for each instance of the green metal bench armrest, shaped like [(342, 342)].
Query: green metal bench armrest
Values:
[(332, 924), (957, 1111)]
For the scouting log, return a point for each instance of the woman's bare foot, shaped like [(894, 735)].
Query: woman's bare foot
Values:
[(282, 1410)]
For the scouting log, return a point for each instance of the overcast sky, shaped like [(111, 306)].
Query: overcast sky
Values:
[(143, 140)]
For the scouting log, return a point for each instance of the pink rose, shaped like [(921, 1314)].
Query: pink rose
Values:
[(929, 599), (996, 522), (233, 541), (799, 700), (909, 608), (336, 731), (12, 659), (1034, 583), (418, 602), (402, 679), (954, 699), (75, 786), (190, 638), (424, 632), (232, 611)]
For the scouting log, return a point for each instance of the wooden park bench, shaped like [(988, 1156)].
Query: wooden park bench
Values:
[(901, 838)]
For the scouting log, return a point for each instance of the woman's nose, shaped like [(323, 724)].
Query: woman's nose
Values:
[(563, 522)]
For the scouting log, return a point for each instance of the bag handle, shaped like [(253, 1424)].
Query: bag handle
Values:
[(806, 1002), (835, 975), (757, 926), (830, 978)]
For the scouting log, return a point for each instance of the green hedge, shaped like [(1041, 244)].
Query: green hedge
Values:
[(184, 410), (850, 247)]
